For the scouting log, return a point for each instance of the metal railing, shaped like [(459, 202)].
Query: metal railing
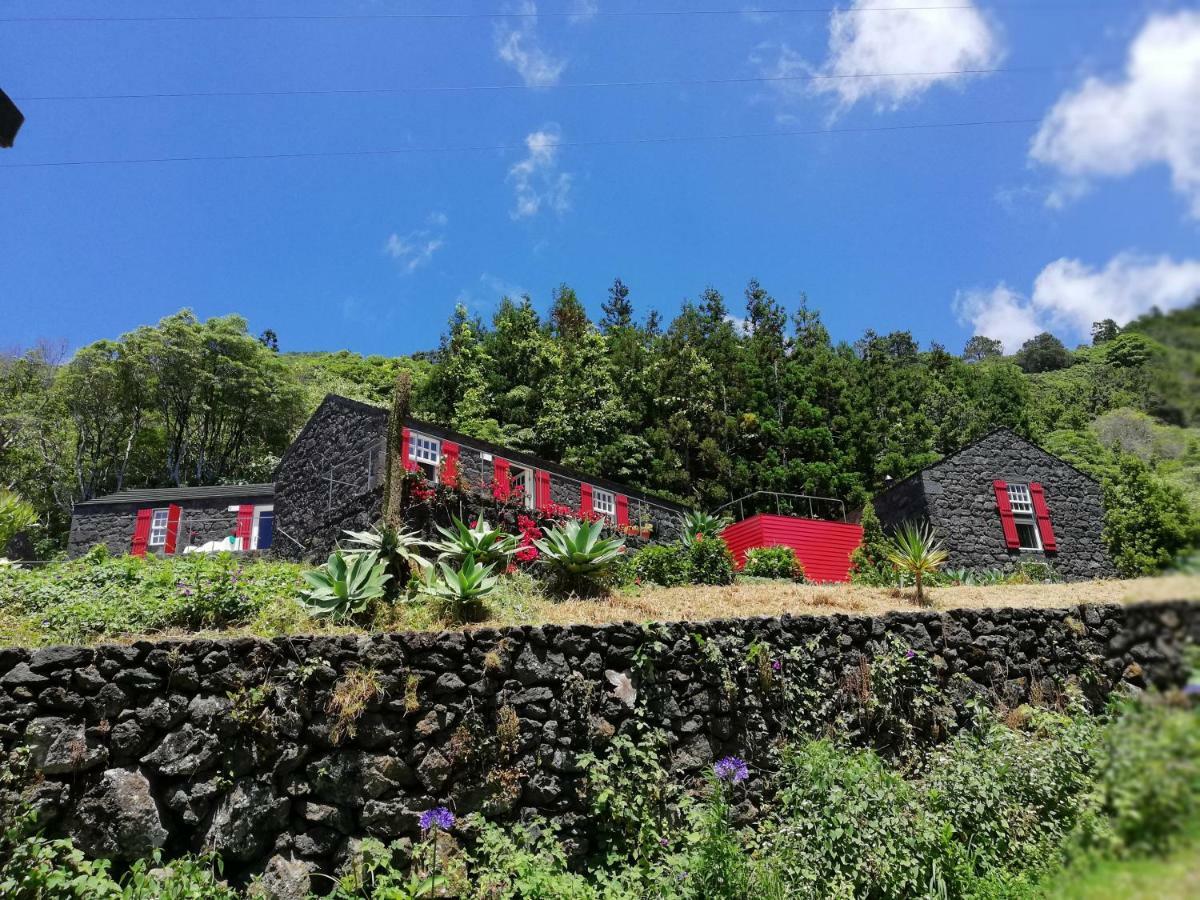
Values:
[(780, 497)]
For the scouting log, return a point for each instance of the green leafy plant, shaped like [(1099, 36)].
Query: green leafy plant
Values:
[(488, 545), (701, 524), (15, 516), (664, 564), (461, 589), (578, 557), (711, 562), (915, 551), (773, 562), (398, 548), (345, 585)]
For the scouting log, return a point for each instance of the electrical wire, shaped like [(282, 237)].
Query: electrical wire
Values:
[(600, 142), (439, 89), (607, 14)]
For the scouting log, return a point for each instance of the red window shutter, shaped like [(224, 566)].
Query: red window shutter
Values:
[(541, 484), (503, 478), (449, 462), (585, 499), (245, 524), (1038, 495), (622, 509), (141, 532), (1006, 516), (173, 514), (404, 437)]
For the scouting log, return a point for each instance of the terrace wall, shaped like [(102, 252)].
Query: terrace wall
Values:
[(226, 745)]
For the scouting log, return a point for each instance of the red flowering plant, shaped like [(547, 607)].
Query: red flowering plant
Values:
[(530, 532)]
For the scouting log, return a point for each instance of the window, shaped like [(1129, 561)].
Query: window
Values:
[(426, 452), (604, 503), (158, 528), (521, 484), (1021, 502)]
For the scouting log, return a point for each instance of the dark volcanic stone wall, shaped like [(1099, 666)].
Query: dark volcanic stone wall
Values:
[(957, 497), (343, 438), (113, 524), (227, 745)]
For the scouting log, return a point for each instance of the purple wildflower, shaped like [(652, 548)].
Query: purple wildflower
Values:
[(1192, 690), (731, 769), (911, 654), (776, 665), (438, 817), (663, 842)]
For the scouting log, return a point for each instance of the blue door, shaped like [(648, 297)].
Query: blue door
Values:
[(266, 529)]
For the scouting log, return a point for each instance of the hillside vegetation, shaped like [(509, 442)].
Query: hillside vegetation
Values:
[(704, 408)]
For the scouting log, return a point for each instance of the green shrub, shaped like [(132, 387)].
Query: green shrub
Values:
[(96, 595), (773, 562), (667, 565), (710, 561)]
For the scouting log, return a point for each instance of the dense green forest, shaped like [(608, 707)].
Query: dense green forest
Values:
[(704, 408)]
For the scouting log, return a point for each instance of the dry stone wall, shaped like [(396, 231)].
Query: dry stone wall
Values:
[(227, 745)]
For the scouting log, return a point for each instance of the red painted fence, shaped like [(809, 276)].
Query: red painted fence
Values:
[(823, 547)]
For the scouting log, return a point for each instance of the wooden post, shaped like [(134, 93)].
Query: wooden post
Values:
[(394, 491)]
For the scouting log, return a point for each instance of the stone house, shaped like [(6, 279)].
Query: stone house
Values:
[(167, 521), (331, 479), (1002, 501)]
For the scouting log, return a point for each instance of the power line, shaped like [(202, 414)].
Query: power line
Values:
[(471, 88), (601, 142), (606, 14)]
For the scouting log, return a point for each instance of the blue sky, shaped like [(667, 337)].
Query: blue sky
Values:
[(1089, 207)]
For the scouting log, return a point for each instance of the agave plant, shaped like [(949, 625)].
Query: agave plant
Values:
[(701, 524), (462, 588), (914, 549), (344, 585), (578, 556), (397, 548), (488, 545)]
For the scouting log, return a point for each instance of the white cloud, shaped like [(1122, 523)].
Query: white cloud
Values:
[(871, 38), (1150, 116), (999, 313), (518, 44), (582, 11), (537, 180), (1069, 295), (417, 248)]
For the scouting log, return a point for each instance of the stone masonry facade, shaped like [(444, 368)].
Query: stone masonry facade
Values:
[(227, 745), (112, 524), (957, 498), (346, 439)]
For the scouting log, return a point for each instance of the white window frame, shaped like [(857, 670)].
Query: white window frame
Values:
[(524, 476), (425, 451), (160, 520), (1020, 501), (604, 503)]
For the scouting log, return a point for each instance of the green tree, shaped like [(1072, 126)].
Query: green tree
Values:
[(1043, 353)]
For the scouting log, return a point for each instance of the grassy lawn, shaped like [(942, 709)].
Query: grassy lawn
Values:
[(126, 598), (1173, 877)]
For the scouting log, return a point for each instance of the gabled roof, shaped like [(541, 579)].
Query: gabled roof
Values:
[(1002, 429), (168, 494)]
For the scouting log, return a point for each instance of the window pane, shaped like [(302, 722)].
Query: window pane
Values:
[(603, 502), (423, 449), (158, 528), (1027, 533), (1020, 500)]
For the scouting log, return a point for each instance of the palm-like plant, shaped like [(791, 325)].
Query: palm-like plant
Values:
[(701, 524), (488, 545), (914, 549), (463, 588), (15, 516), (398, 548), (344, 585), (577, 554)]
